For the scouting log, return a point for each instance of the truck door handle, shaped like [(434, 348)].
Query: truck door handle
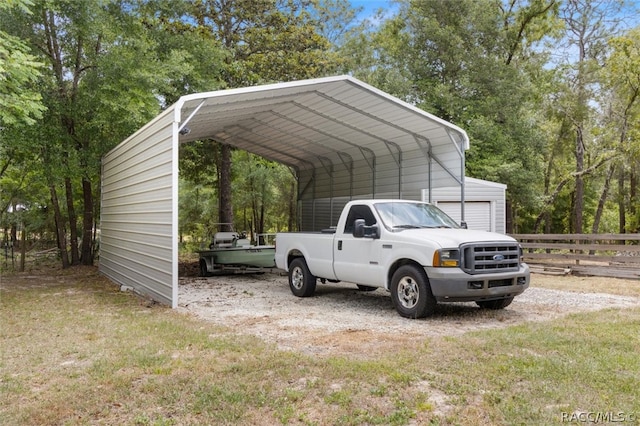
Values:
[(339, 244)]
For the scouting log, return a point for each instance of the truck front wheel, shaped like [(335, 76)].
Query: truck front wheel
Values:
[(301, 282), (411, 292)]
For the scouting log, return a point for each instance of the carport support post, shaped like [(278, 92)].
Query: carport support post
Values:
[(462, 172), (175, 184), (460, 148)]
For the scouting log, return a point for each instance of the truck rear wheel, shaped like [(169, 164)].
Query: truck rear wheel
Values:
[(301, 282), (411, 292)]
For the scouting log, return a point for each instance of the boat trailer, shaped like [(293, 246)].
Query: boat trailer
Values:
[(232, 252)]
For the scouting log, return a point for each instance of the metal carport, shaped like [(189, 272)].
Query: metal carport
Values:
[(345, 140)]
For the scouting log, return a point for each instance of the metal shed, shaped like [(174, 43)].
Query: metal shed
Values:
[(485, 204), (345, 140)]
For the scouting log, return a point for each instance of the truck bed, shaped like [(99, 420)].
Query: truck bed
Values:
[(317, 246)]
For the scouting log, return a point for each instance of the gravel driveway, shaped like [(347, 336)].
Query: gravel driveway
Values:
[(340, 319)]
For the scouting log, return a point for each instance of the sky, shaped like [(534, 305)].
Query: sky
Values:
[(631, 18), (369, 7)]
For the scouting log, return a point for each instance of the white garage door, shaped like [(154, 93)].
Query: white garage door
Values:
[(477, 213)]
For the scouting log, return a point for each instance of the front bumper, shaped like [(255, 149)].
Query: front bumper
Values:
[(455, 285)]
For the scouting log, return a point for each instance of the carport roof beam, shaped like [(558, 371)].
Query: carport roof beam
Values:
[(329, 135), (388, 144), (268, 148), (308, 140), (195, 111)]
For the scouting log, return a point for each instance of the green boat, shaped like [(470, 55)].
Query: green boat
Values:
[(233, 249)]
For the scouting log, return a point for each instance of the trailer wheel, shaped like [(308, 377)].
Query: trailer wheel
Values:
[(301, 282), (411, 292), (495, 304), (204, 272)]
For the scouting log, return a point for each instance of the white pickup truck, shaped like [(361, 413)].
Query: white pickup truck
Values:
[(411, 249)]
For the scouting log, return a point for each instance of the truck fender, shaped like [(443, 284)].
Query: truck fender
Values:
[(396, 265), (292, 255)]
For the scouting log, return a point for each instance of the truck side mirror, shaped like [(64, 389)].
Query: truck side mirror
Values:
[(463, 225), (360, 230)]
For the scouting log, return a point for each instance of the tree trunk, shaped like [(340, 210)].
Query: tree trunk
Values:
[(23, 246), (622, 217), (551, 199), (60, 234), (603, 200), (509, 214), (225, 212), (260, 227), (633, 193), (578, 205), (254, 214), (73, 222), (544, 214), (87, 223), (14, 231)]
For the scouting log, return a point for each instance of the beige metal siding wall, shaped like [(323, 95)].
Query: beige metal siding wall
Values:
[(411, 179), (138, 224)]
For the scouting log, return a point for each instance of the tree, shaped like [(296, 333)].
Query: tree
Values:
[(622, 100), (589, 25), (20, 101), (264, 41), (107, 72), (265, 198), (480, 72), (334, 19), (85, 58), (377, 55)]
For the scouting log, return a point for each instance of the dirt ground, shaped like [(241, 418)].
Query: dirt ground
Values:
[(340, 319)]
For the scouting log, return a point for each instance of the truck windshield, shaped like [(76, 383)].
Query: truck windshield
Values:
[(399, 215)]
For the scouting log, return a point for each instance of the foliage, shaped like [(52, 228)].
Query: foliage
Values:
[(264, 41), (546, 89), (20, 100), (622, 126), (197, 213), (107, 72), (19, 70), (524, 79), (478, 72), (263, 193)]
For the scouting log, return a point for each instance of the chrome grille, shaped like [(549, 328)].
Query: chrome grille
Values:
[(490, 257)]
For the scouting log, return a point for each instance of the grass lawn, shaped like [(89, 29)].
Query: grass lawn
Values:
[(75, 350)]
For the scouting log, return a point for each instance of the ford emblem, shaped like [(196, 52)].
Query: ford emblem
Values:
[(498, 257)]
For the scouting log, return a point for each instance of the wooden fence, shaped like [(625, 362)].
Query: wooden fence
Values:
[(613, 255)]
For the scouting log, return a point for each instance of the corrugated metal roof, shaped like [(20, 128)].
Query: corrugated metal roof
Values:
[(331, 120)]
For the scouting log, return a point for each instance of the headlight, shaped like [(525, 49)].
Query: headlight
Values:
[(446, 258)]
